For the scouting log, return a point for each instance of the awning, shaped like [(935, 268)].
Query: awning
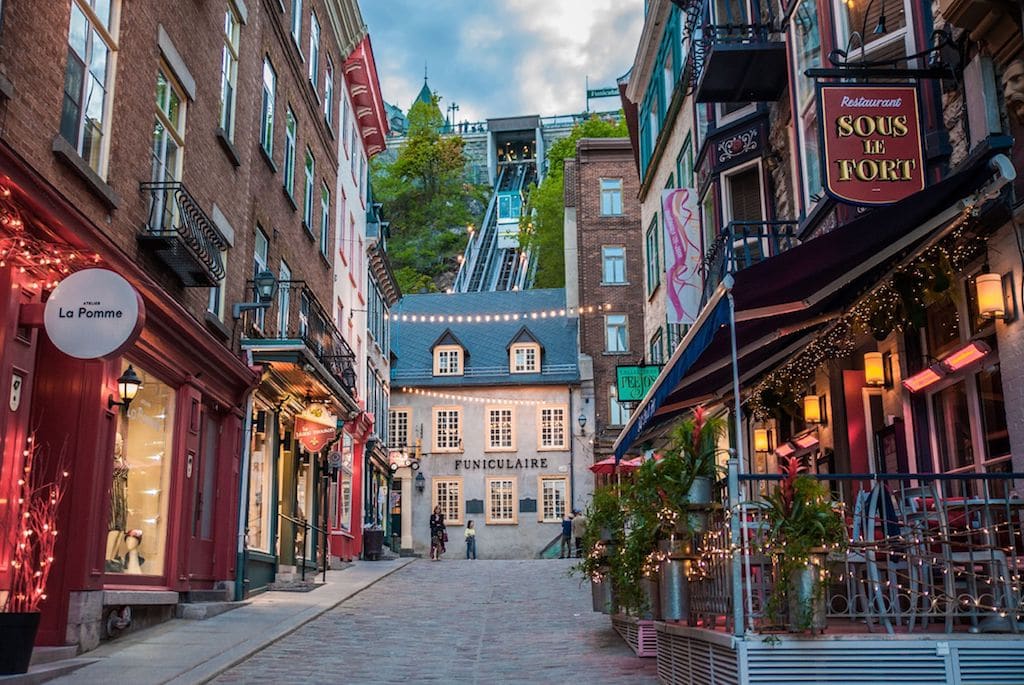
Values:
[(782, 301)]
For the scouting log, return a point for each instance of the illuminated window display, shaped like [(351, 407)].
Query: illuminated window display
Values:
[(137, 532), (260, 470)]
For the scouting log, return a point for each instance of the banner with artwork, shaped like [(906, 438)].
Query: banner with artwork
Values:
[(682, 254)]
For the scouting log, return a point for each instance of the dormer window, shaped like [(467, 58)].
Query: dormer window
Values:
[(447, 360), (524, 358)]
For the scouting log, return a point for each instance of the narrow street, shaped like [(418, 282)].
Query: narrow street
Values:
[(456, 621)]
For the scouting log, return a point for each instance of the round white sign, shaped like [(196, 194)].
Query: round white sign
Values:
[(93, 313)]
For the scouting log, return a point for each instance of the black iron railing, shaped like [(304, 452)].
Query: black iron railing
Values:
[(185, 236), (295, 313), (742, 244)]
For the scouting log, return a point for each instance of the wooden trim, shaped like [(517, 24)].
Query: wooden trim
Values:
[(488, 518), (488, 447), (540, 495), (433, 429), (541, 447)]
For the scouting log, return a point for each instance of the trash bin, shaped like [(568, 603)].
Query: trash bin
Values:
[(373, 544)]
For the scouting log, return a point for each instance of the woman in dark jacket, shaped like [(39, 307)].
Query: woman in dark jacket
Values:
[(437, 534)]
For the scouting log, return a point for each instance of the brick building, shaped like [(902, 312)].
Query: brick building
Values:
[(187, 149), (604, 268)]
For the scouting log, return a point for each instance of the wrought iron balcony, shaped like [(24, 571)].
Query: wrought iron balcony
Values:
[(742, 244), (296, 315), (737, 53), (181, 235)]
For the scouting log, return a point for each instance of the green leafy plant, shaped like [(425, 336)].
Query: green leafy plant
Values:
[(604, 515)]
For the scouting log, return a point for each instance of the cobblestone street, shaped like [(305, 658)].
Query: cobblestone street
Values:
[(456, 622)]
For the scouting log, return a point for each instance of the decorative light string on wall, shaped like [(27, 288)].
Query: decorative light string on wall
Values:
[(567, 312), (473, 398)]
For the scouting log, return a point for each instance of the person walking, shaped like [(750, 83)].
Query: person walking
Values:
[(470, 540), (438, 533), (566, 550), (579, 527)]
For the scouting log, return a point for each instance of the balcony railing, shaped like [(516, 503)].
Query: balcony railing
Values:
[(296, 314), (745, 243), (180, 234), (736, 52)]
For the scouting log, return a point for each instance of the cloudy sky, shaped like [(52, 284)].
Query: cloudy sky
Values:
[(503, 57)]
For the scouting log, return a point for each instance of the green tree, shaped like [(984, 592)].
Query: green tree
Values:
[(541, 227), (428, 202)]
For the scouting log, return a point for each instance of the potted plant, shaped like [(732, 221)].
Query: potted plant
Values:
[(601, 537), (28, 534), (803, 527), (690, 464)]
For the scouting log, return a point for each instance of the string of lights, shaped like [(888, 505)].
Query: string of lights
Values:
[(568, 312), (473, 398)]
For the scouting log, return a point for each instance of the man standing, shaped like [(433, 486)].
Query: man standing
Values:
[(579, 526), (566, 552)]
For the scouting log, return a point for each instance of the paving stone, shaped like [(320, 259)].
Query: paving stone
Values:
[(457, 622)]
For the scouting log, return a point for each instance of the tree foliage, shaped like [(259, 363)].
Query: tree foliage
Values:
[(428, 202), (542, 224)]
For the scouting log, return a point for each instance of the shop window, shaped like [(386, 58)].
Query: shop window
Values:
[(447, 493), (398, 428), (611, 196), (501, 501), (500, 429), (345, 485), (952, 423), (613, 265), (995, 433), (616, 328), (447, 429), (618, 414), (524, 358), (260, 475), (141, 480), (89, 80), (229, 71), (553, 498), (552, 428)]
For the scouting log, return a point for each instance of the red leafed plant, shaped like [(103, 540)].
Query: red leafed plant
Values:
[(29, 531)]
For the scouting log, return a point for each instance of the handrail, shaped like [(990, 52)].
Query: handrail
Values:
[(302, 522)]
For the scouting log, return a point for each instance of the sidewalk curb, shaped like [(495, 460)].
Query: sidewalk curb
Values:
[(208, 670)]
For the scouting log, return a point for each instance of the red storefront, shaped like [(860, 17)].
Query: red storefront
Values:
[(151, 508), (346, 520)]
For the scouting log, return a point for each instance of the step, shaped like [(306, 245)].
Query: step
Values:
[(198, 611), (46, 655), (46, 671), (221, 595)]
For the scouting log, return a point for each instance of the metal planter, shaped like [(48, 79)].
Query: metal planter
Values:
[(601, 595), (674, 590), (805, 597)]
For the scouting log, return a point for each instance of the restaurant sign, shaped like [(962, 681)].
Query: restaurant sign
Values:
[(633, 382), (871, 142), (93, 314)]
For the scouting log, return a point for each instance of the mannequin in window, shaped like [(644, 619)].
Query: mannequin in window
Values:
[(132, 561), (118, 506)]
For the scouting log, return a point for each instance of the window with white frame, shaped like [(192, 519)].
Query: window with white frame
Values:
[(448, 360), (500, 429), (552, 424), (684, 165), (611, 196), (616, 333), (289, 152), (447, 494), (501, 501), (215, 305), (613, 265), (618, 414), (325, 218), (314, 49), (653, 256), (89, 79), (168, 133), (267, 108), (284, 299), (398, 428), (297, 21), (229, 71), (344, 116), (448, 429), (554, 498), (307, 195), (524, 358), (329, 92), (261, 248)]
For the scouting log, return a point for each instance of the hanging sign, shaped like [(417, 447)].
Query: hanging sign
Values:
[(871, 148), (682, 255), (315, 428), (633, 382), (93, 314)]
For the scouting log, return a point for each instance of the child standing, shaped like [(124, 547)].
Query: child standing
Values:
[(470, 540)]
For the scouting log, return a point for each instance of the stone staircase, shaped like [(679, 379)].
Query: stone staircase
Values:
[(197, 605)]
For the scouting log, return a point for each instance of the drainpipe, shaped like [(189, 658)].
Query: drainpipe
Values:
[(572, 455), (243, 500)]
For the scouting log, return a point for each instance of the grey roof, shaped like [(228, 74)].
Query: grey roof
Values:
[(486, 343)]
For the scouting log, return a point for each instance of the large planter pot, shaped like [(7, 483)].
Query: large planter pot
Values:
[(700, 491), (674, 590), (601, 595), (17, 637), (805, 597), (652, 598)]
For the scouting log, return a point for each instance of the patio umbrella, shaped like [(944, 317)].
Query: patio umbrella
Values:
[(607, 466)]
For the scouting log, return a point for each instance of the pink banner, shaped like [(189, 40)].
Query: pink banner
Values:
[(682, 254)]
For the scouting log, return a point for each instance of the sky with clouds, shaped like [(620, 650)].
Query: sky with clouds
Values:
[(503, 57)]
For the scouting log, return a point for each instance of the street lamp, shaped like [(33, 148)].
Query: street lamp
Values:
[(582, 420), (348, 379), (265, 284), (421, 483), (128, 386)]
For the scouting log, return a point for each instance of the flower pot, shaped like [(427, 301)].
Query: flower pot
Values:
[(805, 596), (601, 595), (674, 590), (700, 491), (652, 598), (17, 635)]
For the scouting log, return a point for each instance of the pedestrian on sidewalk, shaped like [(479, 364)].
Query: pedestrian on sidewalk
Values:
[(566, 551), (470, 540), (579, 527), (438, 533)]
